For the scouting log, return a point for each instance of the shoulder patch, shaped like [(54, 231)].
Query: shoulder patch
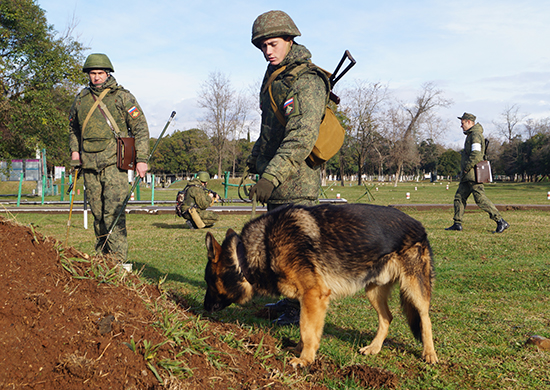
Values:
[(134, 112), (289, 106)]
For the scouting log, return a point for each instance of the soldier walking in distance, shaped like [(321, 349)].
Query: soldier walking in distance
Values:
[(293, 98), (94, 128), (474, 150)]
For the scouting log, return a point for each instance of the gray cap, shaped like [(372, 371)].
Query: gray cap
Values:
[(467, 116)]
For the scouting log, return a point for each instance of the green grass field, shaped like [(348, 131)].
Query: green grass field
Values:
[(422, 192), (491, 293)]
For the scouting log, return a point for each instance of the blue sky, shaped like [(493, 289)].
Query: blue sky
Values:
[(485, 54)]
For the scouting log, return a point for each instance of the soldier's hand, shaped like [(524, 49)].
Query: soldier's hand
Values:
[(262, 190), (141, 169)]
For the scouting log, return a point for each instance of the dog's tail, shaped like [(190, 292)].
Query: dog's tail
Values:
[(416, 285)]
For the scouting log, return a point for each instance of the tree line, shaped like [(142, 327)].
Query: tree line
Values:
[(40, 73)]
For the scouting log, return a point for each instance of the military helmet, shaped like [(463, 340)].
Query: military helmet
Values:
[(203, 176), (98, 61), (273, 24)]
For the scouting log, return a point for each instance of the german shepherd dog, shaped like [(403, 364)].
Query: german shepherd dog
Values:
[(315, 254)]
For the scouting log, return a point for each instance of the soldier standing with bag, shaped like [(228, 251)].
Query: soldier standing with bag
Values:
[(474, 150), (100, 114), (292, 110)]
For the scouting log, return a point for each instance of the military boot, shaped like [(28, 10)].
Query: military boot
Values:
[(456, 226), (502, 225)]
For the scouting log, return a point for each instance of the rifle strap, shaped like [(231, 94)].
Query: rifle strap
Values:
[(96, 103), (267, 86), (108, 117)]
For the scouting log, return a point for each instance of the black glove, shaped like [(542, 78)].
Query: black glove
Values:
[(262, 190)]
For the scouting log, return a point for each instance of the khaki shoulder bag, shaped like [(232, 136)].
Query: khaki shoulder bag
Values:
[(331, 133)]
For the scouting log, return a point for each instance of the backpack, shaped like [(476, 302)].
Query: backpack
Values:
[(180, 198), (331, 133)]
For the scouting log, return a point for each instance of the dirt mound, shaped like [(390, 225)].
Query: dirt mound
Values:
[(68, 321)]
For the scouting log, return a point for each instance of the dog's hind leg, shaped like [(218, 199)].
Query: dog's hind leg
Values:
[(416, 305), (416, 292), (378, 297), (313, 309)]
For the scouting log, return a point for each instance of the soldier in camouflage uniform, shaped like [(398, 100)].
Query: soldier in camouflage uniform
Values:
[(300, 93), (198, 195), (474, 150), (92, 143)]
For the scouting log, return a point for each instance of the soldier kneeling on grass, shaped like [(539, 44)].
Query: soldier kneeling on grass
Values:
[(193, 201)]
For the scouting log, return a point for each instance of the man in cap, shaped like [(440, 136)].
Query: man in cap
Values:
[(199, 197), (102, 112), (293, 98), (474, 150)]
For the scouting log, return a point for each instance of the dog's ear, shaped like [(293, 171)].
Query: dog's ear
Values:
[(229, 232), (241, 256), (214, 249)]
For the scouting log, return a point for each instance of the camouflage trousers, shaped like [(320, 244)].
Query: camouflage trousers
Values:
[(467, 188), (106, 191)]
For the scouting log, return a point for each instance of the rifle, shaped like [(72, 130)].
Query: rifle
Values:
[(334, 77), (216, 197)]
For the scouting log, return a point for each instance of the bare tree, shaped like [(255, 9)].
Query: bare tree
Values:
[(536, 126), (225, 110), (364, 107), (510, 119), (242, 123), (407, 121)]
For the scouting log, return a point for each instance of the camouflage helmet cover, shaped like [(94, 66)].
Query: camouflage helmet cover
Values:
[(97, 61), (273, 24), (468, 116), (203, 176)]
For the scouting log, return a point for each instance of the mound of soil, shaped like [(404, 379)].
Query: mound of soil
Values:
[(58, 331)]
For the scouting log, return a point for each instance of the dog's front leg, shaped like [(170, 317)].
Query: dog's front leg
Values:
[(313, 309)]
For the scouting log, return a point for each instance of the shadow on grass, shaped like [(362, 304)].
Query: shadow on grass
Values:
[(253, 314), (180, 224), (175, 225)]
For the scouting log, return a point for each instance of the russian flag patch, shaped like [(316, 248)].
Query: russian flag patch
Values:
[(289, 106), (134, 112)]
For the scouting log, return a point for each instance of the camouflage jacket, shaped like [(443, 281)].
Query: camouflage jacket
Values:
[(197, 194), (473, 152), (279, 153), (97, 144)]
